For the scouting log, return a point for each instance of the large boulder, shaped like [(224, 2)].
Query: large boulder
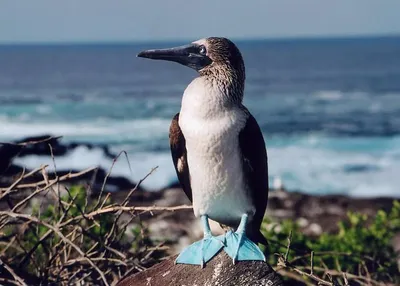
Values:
[(219, 271)]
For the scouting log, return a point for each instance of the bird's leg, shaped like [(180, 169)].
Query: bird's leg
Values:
[(239, 247), (203, 250)]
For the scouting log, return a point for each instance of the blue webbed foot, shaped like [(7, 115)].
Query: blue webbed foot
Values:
[(239, 247), (203, 250)]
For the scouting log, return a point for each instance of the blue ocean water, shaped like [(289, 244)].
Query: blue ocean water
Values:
[(329, 108)]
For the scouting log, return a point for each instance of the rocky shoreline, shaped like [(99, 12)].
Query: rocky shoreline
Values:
[(314, 214)]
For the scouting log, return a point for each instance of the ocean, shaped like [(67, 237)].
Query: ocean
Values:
[(329, 109)]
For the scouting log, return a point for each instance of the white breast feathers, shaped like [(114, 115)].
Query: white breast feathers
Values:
[(211, 130)]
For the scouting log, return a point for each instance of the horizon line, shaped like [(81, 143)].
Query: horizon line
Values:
[(236, 39)]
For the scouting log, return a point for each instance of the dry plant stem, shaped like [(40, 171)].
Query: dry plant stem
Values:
[(9, 244), (74, 275), (79, 260), (16, 277), (77, 206), (57, 179), (58, 224), (350, 276), (26, 143), (67, 254), (10, 188), (312, 276), (283, 261), (288, 246), (21, 203), (109, 173), (330, 253), (8, 281), (58, 232), (294, 276), (346, 282), (33, 249), (126, 200), (112, 209), (312, 263), (144, 209), (83, 278), (55, 173)]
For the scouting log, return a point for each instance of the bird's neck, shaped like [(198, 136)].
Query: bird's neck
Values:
[(209, 97)]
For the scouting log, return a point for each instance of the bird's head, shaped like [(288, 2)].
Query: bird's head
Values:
[(210, 56)]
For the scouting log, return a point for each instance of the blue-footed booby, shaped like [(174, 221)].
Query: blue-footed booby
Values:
[(218, 151)]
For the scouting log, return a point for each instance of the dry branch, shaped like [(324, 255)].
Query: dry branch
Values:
[(84, 242), (74, 252)]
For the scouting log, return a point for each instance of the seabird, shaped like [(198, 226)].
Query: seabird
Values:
[(218, 151)]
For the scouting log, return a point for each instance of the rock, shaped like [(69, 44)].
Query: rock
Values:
[(219, 271), (322, 212), (59, 148), (7, 154), (9, 171)]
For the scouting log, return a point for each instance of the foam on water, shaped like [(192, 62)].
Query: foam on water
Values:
[(141, 164), (327, 171), (329, 95), (139, 129), (315, 164)]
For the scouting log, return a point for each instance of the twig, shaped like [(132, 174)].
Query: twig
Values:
[(111, 209), (81, 259), (312, 263), (346, 282), (137, 185), (129, 209), (126, 200), (312, 276), (9, 281), (57, 179), (288, 246), (9, 269), (10, 188), (109, 173), (58, 232), (348, 275), (26, 143)]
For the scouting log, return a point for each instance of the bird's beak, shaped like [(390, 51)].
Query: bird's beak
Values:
[(188, 55)]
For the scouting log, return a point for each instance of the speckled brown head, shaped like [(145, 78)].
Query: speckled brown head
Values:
[(224, 55), (217, 58)]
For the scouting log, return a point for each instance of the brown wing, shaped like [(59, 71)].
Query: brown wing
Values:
[(179, 156), (255, 165)]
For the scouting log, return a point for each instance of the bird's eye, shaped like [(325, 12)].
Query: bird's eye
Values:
[(202, 50)]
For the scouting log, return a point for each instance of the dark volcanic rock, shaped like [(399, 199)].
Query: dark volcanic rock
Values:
[(321, 213), (10, 171), (174, 185), (7, 153), (219, 271), (58, 148)]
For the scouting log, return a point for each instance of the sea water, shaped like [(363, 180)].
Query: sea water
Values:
[(329, 109)]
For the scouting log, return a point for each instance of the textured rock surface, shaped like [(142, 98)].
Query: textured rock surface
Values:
[(219, 271)]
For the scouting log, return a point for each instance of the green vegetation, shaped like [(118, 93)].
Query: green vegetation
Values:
[(362, 248), (71, 238), (74, 238)]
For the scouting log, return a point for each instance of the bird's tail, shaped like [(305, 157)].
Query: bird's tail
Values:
[(260, 238), (256, 236)]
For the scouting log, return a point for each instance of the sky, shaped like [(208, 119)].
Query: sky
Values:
[(129, 20)]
